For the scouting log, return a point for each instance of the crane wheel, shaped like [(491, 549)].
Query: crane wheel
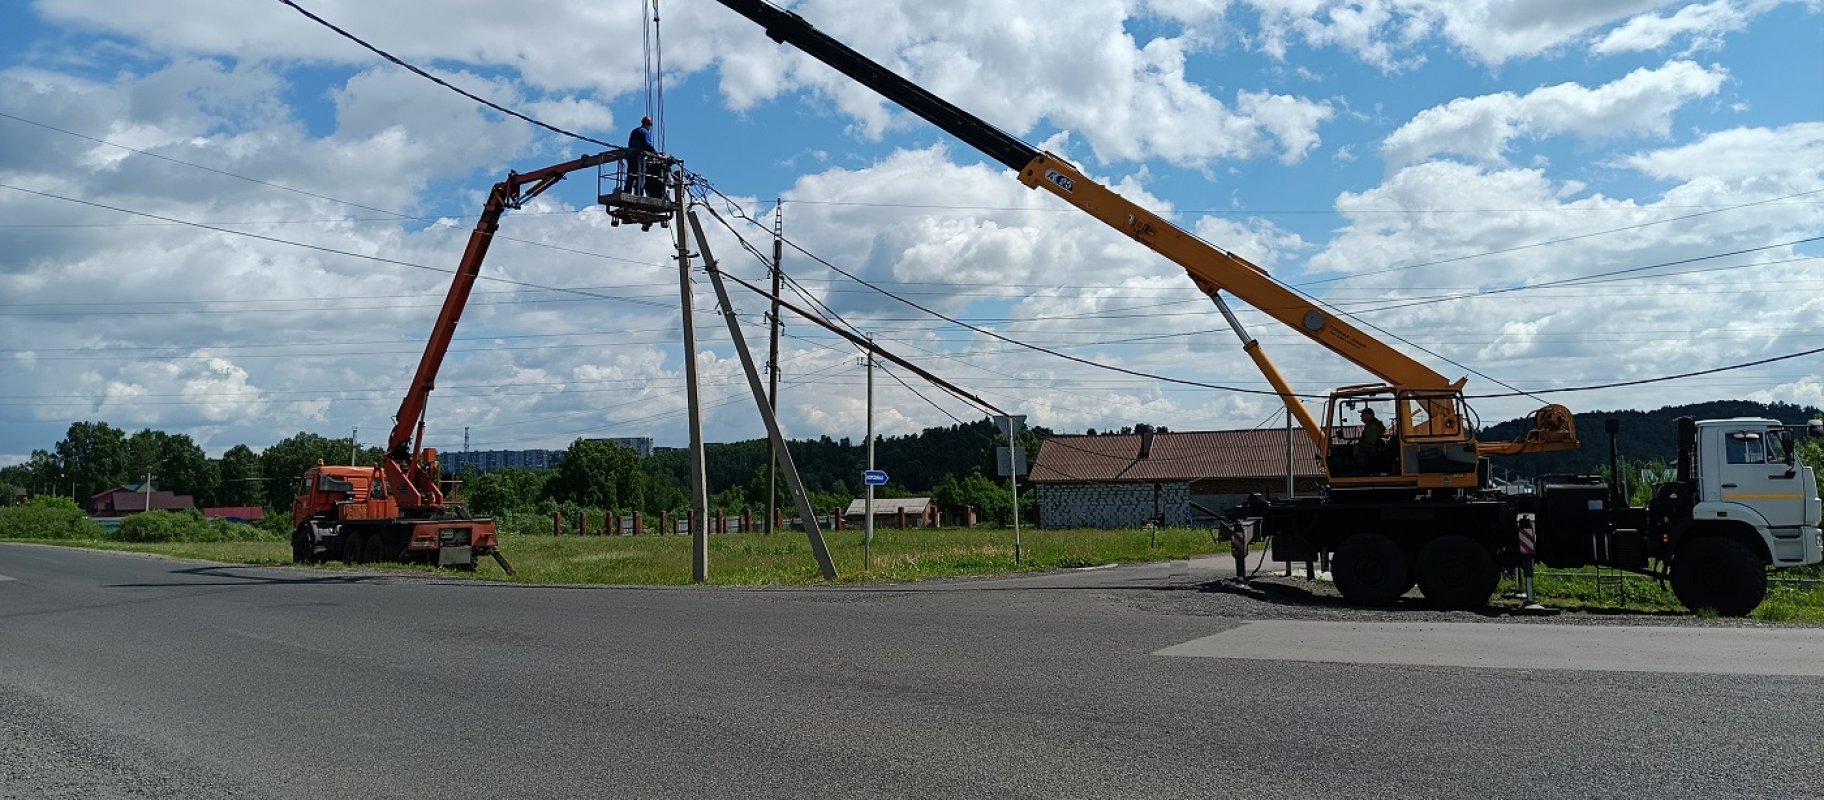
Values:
[(373, 549), (1456, 574), (303, 550), (353, 545), (1371, 569), (1719, 574)]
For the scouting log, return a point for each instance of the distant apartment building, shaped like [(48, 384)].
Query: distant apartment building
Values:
[(640, 444), (490, 460)]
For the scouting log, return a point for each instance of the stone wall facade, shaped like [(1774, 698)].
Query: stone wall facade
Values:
[(1111, 505)]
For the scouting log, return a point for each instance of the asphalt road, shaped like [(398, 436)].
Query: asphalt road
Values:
[(130, 676)]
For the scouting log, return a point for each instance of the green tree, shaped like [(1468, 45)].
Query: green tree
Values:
[(503, 490), (242, 479), (1811, 453), (41, 475), (599, 475), (992, 500), (175, 463), (94, 456), (286, 460)]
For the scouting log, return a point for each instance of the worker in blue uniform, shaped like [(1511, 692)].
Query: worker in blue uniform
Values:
[(640, 143)]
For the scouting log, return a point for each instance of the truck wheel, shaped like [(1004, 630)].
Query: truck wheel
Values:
[(373, 549), (1370, 569), (1719, 574), (352, 546), (302, 548), (1456, 573)]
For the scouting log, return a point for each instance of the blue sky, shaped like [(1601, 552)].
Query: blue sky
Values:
[(1377, 153)]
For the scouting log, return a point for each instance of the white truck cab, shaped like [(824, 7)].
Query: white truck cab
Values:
[(1748, 474)]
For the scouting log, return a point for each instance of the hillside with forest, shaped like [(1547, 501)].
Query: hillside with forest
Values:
[(1644, 435)]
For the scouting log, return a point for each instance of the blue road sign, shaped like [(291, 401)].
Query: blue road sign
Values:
[(874, 477)]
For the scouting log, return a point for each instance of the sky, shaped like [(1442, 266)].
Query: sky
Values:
[(220, 218)]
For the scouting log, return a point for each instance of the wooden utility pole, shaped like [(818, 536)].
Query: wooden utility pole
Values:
[(699, 489), (772, 364)]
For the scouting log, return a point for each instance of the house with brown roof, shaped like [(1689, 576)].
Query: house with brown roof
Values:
[(1124, 480), (134, 497)]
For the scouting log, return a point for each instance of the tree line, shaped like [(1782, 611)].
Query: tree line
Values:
[(948, 461)]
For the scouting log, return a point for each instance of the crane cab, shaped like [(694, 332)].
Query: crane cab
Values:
[(1379, 436), (636, 190)]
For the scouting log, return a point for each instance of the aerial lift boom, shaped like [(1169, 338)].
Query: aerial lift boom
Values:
[(398, 509)]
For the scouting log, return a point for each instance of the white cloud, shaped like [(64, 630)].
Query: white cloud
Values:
[(1389, 33), (1704, 23), (1792, 155), (1642, 102)]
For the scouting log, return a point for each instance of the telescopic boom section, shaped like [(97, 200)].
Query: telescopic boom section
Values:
[(415, 484), (1210, 267)]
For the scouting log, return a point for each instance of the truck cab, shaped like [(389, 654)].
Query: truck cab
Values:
[(1748, 474)]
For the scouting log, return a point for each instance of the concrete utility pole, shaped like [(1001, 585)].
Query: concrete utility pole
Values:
[(353, 449), (148, 490), (867, 538), (772, 363), (699, 490), (1013, 484), (773, 431)]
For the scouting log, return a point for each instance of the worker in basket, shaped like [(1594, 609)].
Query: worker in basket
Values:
[(640, 176)]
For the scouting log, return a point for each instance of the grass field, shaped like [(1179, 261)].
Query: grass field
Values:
[(896, 556), (756, 559)]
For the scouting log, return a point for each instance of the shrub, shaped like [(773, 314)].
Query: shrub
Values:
[(184, 526), (48, 518)]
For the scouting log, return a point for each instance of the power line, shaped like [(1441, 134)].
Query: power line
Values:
[(439, 81), (321, 248), (1560, 240)]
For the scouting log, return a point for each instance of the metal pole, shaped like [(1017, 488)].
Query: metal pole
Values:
[(699, 490), (148, 490), (353, 449), (1013, 485), (1291, 488), (799, 498), (772, 363), (867, 539)]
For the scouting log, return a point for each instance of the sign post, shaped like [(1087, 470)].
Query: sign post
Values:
[(872, 477)]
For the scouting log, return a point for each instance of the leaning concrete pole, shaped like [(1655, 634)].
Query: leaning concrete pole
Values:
[(786, 465)]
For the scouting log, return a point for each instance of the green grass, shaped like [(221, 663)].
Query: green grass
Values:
[(1579, 590), (756, 559)]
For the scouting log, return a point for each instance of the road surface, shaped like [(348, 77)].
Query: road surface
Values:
[(134, 676)]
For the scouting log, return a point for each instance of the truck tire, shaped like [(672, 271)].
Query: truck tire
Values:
[(373, 549), (353, 544), (1370, 569), (1719, 574), (303, 549), (1456, 573)]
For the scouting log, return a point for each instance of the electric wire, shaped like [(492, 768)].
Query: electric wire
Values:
[(321, 248), (439, 81)]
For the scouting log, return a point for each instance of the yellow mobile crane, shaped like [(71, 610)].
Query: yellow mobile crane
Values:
[(1430, 444), (1417, 507)]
